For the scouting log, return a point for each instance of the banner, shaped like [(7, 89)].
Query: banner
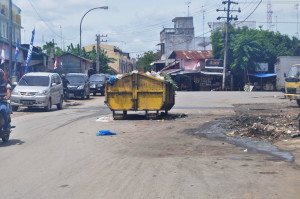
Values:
[(3, 54), (16, 57), (29, 54), (56, 63)]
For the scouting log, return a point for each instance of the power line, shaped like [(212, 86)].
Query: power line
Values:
[(42, 19), (252, 12)]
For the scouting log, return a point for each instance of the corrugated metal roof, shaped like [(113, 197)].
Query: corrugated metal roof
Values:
[(173, 64), (170, 71), (191, 54), (87, 60)]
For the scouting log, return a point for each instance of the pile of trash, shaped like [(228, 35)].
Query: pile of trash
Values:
[(158, 75), (264, 126)]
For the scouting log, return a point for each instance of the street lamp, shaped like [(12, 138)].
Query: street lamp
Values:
[(102, 7)]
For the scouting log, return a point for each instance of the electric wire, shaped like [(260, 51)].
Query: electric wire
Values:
[(43, 19)]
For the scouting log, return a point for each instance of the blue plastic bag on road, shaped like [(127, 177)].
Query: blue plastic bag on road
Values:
[(105, 132)]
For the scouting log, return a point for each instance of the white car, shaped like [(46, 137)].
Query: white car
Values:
[(38, 89)]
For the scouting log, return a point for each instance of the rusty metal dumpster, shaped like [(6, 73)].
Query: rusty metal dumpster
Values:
[(139, 92)]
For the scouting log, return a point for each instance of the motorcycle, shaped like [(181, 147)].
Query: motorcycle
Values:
[(66, 94), (4, 135)]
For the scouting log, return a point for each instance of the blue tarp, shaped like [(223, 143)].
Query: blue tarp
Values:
[(263, 74)]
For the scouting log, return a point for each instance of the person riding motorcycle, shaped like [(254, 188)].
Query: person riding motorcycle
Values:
[(5, 93), (65, 86)]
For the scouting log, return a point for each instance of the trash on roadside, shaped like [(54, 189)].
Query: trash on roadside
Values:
[(102, 119), (245, 150), (289, 132), (295, 135), (119, 76), (230, 134), (105, 132), (112, 79)]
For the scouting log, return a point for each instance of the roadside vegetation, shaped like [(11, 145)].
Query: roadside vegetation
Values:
[(248, 47), (92, 55)]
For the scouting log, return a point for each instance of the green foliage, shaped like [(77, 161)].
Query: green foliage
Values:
[(48, 46), (92, 55), (145, 61), (59, 51), (247, 48), (169, 79)]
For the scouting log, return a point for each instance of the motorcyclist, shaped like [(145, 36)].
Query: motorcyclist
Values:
[(65, 81), (65, 86), (5, 93)]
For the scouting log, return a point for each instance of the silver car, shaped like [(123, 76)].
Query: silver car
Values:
[(38, 89)]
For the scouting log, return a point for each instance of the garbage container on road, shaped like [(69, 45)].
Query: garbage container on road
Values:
[(139, 92)]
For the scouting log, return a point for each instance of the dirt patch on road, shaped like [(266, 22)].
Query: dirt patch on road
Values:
[(272, 122)]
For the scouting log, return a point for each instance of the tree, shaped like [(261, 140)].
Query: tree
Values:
[(246, 49), (92, 55), (249, 47), (103, 59), (145, 61), (50, 45)]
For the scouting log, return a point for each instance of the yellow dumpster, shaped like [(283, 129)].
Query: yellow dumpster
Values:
[(139, 92)]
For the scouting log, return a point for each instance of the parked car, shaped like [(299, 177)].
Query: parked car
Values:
[(79, 85), (97, 83), (38, 89)]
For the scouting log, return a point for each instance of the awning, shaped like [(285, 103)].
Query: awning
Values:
[(171, 71), (263, 74), (183, 72), (158, 62), (211, 73)]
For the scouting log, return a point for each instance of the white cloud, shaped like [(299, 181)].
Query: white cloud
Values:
[(135, 24)]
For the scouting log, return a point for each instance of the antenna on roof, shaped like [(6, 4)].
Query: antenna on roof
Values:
[(188, 3)]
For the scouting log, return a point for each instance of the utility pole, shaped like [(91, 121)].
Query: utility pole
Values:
[(269, 15), (10, 39), (297, 8), (228, 19), (61, 38), (188, 3), (277, 23), (204, 45), (98, 37)]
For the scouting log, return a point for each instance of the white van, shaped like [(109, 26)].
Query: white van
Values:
[(38, 89)]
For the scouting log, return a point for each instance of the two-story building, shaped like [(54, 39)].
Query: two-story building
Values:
[(4, 33), (181, 38), (122, 61)]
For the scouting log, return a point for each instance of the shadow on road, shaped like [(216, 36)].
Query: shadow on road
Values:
[(161, 116), (11, 142)]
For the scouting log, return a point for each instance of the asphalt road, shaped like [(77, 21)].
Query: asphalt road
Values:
[(58, 155)]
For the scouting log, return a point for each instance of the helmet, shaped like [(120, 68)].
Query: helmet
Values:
[(63, 76)]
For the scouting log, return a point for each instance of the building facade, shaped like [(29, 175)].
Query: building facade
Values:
[(181, 37), (70, 63), (4, 22), (122, 61)]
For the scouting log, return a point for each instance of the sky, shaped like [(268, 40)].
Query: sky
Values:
[(135, 25)]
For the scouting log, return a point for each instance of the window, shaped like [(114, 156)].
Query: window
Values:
[(4, 29), (34, 81)]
